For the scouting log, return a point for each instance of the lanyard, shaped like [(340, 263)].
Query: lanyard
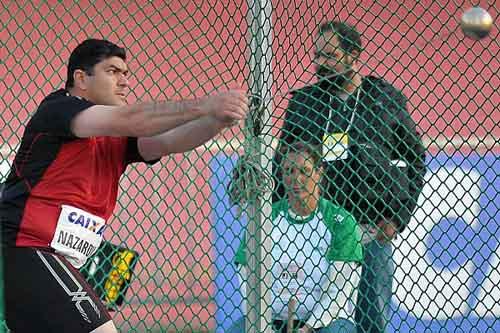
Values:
[(343, 111)]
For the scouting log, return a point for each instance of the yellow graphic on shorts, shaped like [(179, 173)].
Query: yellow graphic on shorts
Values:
[(119, 274), (335, 146)]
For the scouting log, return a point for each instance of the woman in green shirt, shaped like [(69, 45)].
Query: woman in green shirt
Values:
[(316, 252)]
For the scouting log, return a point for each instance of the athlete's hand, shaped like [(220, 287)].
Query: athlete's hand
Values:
[(387, 230), (228, 108)]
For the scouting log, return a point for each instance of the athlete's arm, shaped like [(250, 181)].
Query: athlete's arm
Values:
[(150, 119), (180, 139)]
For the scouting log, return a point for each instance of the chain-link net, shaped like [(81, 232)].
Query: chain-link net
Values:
[(365, 199)]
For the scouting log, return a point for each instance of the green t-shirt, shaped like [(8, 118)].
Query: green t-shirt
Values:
[(344, 236)]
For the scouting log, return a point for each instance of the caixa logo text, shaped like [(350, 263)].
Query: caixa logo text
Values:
[(448, 262)]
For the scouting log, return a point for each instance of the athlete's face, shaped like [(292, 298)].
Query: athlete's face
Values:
[(300, 176), (108, 83)]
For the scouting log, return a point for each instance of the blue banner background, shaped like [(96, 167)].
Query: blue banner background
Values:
[(462, 242)]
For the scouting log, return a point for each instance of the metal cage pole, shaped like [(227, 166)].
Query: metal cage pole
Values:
[(259, 222)]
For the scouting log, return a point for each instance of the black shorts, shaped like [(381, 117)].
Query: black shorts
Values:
[(45, 293)]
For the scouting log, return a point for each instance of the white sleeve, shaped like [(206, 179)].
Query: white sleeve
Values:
[(339, 296)]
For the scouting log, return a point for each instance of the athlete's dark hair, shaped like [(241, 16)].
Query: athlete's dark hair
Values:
[(349, 37), (89, 53)]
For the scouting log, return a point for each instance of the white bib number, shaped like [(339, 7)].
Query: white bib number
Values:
[(78, 235)]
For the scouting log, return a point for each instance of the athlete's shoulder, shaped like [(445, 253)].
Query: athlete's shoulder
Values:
[(346, 243), (55, 112), (62, 97), (335, 216), (61, 93)]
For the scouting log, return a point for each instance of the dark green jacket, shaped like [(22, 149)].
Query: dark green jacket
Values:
[(384, 172)]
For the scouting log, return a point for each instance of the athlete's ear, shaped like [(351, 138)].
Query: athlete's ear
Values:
[(80, 79)]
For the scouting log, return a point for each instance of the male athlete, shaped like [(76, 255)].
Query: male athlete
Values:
[(63, 183)]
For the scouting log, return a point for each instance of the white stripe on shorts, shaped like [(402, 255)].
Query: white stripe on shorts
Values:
[(78, 295)]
